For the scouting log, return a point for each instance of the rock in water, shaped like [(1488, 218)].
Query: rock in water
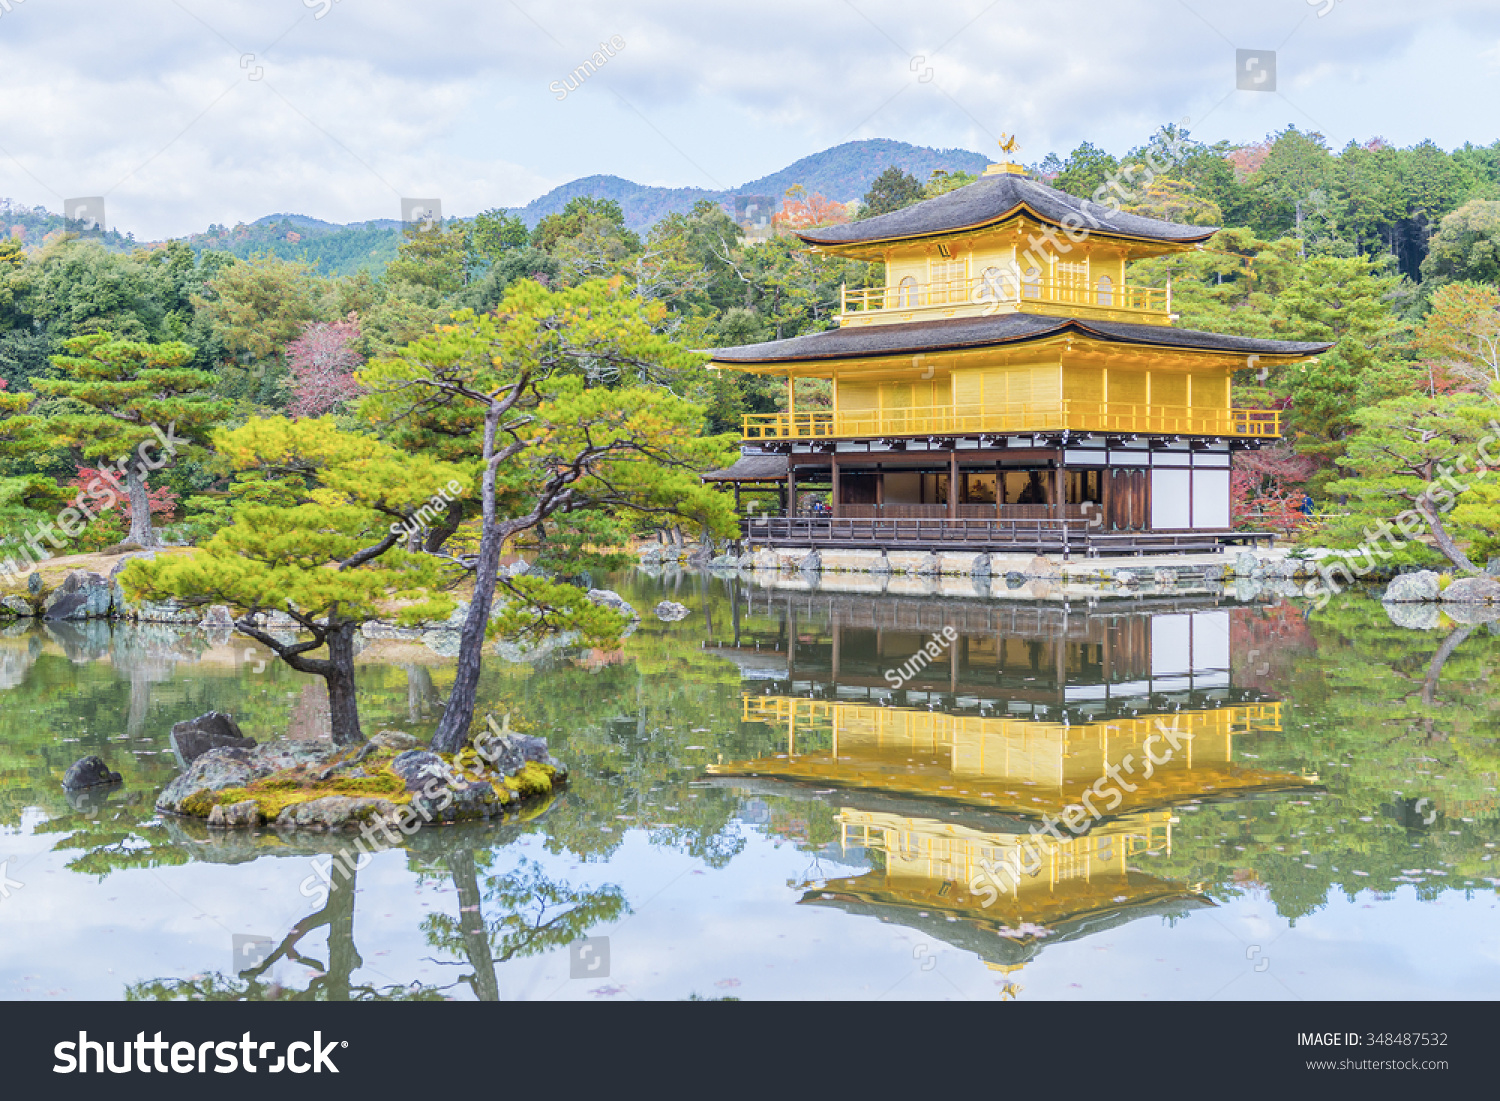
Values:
[(34, 583), (89, 772), (15, 605), (237, 816), (83, 595), (217, 618), (669, 611), (215, 730), (1412, 588), (608, 598), (1472, 590)]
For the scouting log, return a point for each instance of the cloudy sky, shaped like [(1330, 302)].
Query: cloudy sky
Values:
[(189, 112)]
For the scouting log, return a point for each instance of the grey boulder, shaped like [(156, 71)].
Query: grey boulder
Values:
[(669, 611), (83, 595), (215, 730), (1472, 590), (89, 772), (1412, 588)]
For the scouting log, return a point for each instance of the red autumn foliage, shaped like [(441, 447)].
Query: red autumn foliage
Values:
[(163, 499), (323, 361), (1265, 489), (802, 211)]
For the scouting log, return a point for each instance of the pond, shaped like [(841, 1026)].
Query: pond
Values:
[(804, 794)]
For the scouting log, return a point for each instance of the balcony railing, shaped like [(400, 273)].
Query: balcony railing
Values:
[(1057, 416), (1002, 290)]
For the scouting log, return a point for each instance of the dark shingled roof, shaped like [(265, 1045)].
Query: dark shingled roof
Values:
[(751, 468), (992, 199), (952, 334)]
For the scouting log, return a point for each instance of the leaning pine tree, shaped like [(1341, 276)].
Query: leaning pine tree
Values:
[(564, 404), (318, 522), (121, 396)]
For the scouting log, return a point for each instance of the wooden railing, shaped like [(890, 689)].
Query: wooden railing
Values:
[(1053, 416), (1006, 289)]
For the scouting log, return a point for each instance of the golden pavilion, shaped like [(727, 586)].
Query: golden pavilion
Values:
[(1010, 387)]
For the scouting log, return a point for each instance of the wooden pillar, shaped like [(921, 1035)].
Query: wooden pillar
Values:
[(879, 487), (736, 498), (836, 494), (1059, 488), (953, 484), (837, 640), (791, 490)]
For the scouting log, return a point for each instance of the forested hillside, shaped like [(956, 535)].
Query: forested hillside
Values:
[(1389, 254)]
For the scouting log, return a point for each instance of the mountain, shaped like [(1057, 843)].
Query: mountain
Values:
[(842, 173)]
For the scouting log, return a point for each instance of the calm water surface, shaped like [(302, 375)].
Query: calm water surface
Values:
[(757, 812)]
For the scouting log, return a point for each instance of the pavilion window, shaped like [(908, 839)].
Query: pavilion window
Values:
[(906, 293), (1106, 291), (1031, 283)]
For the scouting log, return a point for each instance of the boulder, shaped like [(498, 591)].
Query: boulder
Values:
[(931, 566), (981, 567), (608, 598), (1466, 614), (15, 605), (1041, 567), (1213, 573), (671, 612), (1166, 576), (237, 816), (1492, 567), (1246, 564), (217, 618), (83, 595), (525, 651), (89, 772), (443, 643), (812, 562), (166, 611), (440, 794), (1472, 590), (1414, 617), (508, 751), (34, 583), (334, 812), (1014, 580), (232, 768), (193, 738), (123, 607), (395, 740), (1412, 588)]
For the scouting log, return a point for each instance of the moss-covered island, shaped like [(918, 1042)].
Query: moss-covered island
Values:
[(389, 782)]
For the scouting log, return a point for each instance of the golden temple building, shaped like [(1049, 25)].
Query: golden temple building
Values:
[(1010, 387)]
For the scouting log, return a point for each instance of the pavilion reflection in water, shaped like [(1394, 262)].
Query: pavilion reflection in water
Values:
[(952, 777)]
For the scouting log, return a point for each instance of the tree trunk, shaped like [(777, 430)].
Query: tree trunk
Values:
[(452, 733), (141, 531), (342, 704), (440, 533), (1435, 670), (476, 935), (1443, 540)]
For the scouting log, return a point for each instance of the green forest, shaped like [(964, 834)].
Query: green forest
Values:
[(1391, 254)]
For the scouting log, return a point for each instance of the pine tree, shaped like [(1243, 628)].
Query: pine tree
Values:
[(123, 398), (316, 534)]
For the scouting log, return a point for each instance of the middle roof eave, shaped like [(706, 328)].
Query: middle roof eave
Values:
[(954, 334)]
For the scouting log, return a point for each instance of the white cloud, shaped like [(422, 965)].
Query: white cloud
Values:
[(152, 101)]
